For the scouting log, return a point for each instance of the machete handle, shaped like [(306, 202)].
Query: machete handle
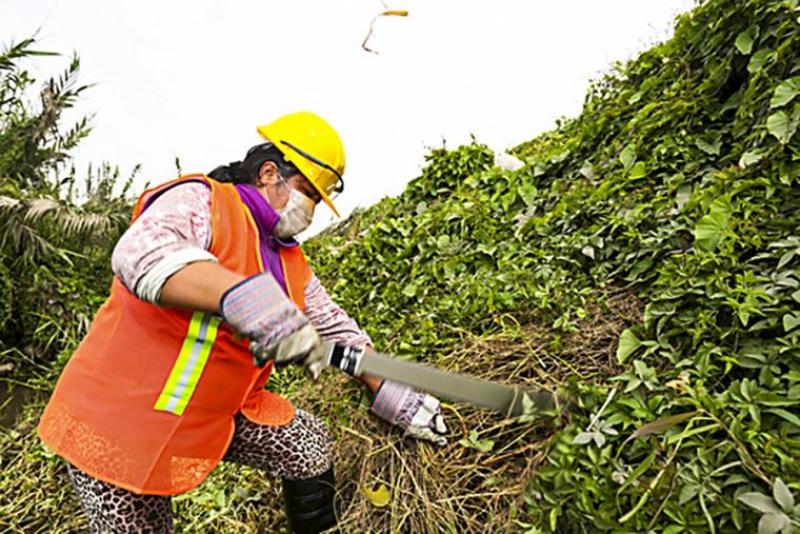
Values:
[(346, 359)]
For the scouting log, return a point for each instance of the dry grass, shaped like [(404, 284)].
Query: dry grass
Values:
[(449, 489), (457, 488)]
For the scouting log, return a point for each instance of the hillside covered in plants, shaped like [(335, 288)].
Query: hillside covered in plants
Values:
[(677, 187), (644, 260)]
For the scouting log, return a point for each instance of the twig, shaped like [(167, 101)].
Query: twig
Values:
[(596, 417)]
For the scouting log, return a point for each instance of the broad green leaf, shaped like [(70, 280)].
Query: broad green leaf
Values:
[(410, 290), (758, 60), (486, 248), (379, 496), (785, 92), (710, 229), (744, 41), (786, 415), (751, 157), (639, 170), (738, 478), (588, 251), (628, 156), (688, 492), (583, 438), (787, 257), (782, 496), (527, 192), (782, 125), (599, 438), (772, 523), (632, 385), (711, 148), (628, 343), (790, 321), (639, 267), (796, 296), (473, 442), (641, 368), (760, 502)]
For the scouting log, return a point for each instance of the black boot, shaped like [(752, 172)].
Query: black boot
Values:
[(309, 503)]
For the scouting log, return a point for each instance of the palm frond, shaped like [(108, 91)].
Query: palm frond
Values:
[(36, 208), (8, 203), (25, 241)]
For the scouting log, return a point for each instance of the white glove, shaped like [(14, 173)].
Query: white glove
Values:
[(304, 344), (259, 309), (419, 414)]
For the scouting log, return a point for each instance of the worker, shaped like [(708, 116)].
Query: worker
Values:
[(210, 290)]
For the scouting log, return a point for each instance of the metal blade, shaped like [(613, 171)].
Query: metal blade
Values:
[(507, 400)]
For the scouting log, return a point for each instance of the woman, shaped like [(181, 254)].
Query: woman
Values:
[(210, 289)]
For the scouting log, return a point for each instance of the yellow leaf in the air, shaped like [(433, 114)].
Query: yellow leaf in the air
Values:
[(378, 495), (395, 13)]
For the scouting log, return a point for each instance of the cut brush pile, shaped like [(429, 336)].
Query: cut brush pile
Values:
[(477, 483)]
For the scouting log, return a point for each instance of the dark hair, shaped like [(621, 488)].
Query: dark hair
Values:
[(246, 171)]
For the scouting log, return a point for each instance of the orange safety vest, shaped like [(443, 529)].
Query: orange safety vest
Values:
[(147, 400)]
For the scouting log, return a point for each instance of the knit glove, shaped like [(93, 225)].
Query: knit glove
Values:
[(418, 413), (258, 309)]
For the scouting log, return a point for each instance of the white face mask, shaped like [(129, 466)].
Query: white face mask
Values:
[(296, 215)]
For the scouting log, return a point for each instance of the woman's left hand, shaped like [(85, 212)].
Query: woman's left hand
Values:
[(419, 414)]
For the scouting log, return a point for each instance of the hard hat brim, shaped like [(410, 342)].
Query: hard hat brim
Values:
[(326, 199)]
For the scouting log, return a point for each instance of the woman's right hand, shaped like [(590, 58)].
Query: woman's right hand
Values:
[(257, 308)]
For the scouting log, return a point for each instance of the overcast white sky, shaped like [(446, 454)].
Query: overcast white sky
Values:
[(193, 79)]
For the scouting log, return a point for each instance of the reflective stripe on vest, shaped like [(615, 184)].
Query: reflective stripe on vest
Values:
[(192, 359)]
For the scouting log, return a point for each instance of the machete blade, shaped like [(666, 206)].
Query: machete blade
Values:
[(506, 400)]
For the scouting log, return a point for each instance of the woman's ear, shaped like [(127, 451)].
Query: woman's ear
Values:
[(268, 173)]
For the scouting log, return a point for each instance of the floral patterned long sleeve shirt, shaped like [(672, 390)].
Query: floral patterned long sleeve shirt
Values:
[(175, 230)]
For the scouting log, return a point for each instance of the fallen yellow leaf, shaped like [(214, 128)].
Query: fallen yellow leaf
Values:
[(379, 496)]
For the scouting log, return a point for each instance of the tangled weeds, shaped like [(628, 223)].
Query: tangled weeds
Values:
[(475, 484)]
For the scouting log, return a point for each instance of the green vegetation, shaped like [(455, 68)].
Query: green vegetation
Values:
[(646, 258), (679, 182), (55, 229)]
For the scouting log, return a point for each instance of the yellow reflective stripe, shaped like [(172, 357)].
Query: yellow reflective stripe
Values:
[(191, 361), (180, 363), (197, 368)]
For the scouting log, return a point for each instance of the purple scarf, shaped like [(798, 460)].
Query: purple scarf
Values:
[(266, 219)]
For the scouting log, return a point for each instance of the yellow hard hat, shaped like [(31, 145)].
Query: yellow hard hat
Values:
[(314, 147)]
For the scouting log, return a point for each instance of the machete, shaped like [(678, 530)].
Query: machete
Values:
[(507, 400)]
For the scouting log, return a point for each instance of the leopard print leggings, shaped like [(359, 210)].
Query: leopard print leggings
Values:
[(301, 449)]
